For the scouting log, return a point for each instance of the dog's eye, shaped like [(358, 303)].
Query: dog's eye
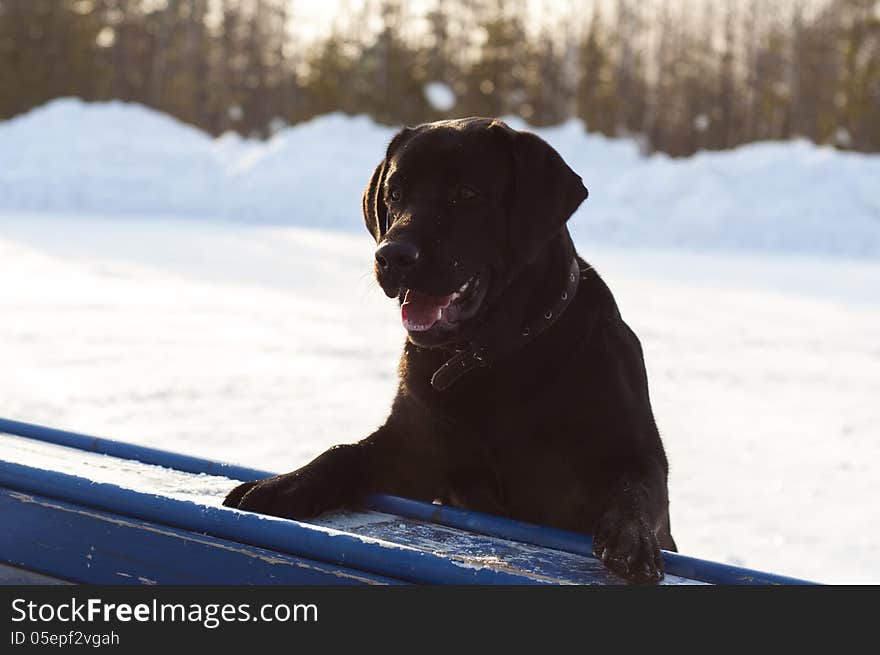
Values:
[(395, 195), (467, 193)]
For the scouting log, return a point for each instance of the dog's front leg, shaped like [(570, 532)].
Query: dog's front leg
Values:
[(634, 525), (333, 479), (390, 460)]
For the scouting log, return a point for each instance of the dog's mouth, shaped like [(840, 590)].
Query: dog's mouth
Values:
[(421, 312)]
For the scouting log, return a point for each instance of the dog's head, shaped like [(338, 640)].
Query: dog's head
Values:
[(457, 208)]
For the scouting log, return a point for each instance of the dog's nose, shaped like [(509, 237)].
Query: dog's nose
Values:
[(399, 256)]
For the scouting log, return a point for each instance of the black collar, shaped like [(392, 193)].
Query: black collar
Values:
[(476, 354)]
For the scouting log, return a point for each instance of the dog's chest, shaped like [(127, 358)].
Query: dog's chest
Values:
[(530, 479), (533, 466)]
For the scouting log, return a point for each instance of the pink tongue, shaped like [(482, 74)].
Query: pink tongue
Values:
[(420, 311)]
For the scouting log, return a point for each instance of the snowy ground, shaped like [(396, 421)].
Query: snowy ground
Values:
[(265, 345), (214, 297)]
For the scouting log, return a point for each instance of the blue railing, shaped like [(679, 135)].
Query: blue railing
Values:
[(183, 514)]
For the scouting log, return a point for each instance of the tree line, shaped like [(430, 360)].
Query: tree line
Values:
[(677, 75)]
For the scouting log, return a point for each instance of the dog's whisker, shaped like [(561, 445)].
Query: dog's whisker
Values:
[(370, 285)]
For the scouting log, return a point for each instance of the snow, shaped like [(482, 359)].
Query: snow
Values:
[(118, 159), (198, 488), (751, 277)]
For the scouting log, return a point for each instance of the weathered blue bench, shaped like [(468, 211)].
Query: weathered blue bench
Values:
[(83, 509)]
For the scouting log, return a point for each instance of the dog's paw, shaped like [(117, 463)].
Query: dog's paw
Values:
[(294, 495), (234, 497), (627, 546)]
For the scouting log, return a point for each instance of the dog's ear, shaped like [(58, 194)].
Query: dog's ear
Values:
[(546, 192), (373, 201), (375, 212)]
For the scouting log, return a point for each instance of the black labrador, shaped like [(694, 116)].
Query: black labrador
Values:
[(522, 391)]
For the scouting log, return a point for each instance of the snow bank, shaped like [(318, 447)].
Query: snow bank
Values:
[(122, 159)]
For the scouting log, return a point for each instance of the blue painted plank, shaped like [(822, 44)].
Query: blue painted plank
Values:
[(553, 565), (460, 545), (676, 564), (292, 537), (15, 575), (91, 546), (564, 540)]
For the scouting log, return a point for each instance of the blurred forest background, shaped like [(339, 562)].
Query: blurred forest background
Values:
[(678, 75)]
